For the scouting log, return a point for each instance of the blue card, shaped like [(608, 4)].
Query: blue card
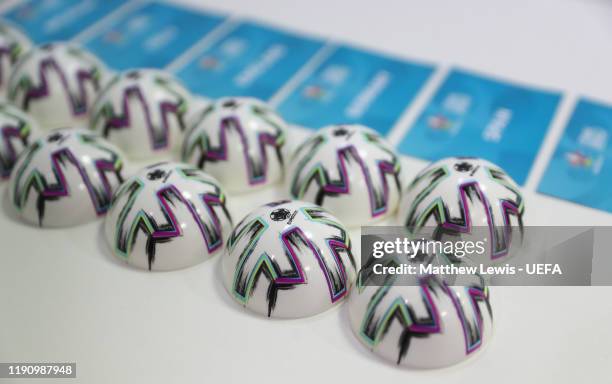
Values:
[(354, 86), (54, 20), (471, 115), (581, 167), (151, 35), (250, 60)]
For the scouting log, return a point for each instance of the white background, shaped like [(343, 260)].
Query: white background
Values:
[(64, 298)]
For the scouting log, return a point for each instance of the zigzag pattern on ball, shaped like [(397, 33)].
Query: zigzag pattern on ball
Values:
[(78, 103), (159, 135), (378, 319), (11, 55), (472, 325), (160, 232), (100, 194), (286, 273), (20, 132), (328, 187), (257, 168), (468, 193)]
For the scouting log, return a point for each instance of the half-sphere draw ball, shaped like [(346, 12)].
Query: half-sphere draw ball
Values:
[(143, 112), (468, 198), (239, 141), (424, 324), (168, 216), (288, 259), (65, 178), (57, 84), (349, 170)]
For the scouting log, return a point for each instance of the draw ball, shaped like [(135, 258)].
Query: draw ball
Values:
[(239, 141), (168, 216), (467, 198), (143, 112), (288, 259), (57, 84), (424, 323), (65, 178), (349, 170)]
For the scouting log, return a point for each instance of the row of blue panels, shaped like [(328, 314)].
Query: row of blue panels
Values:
[(247, 59), (468, 115)]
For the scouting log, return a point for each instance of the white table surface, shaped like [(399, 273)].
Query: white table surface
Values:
[(64, 298)]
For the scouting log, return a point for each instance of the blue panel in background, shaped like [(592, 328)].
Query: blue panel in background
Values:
[(53, 20), (471, 115), (152, 35), (353, 86), (581, 167), (251, 60)]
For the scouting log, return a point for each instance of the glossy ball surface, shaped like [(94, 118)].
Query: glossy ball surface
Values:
[(65, 178), (17, 131), (425, 325), (288, 259), (13, 45), (143, 112), (57, 84), (349, 170), (168, 216), (239, 141), (467, 197)]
